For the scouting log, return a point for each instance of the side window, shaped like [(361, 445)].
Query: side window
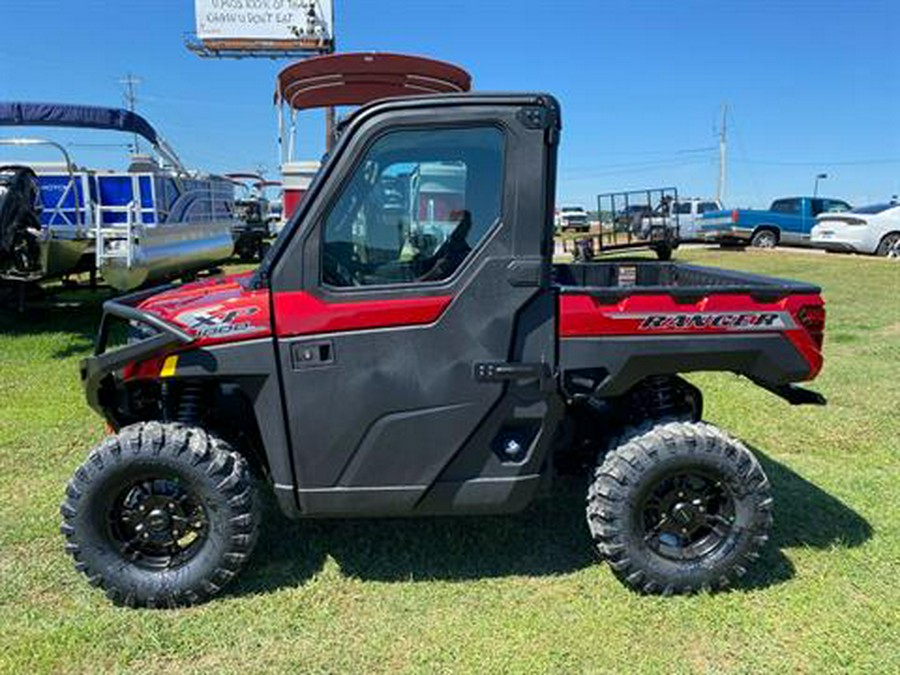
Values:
[(791, 206), (415, 208), (683, 208), (836, 206), (816, 206), (706, 207)]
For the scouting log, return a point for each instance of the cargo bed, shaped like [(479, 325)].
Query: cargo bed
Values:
[(621, 321), (614, 280)]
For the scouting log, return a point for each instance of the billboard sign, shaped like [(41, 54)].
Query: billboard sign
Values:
[(307, 24)]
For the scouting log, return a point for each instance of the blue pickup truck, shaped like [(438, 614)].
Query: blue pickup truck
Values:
[(787, 221)]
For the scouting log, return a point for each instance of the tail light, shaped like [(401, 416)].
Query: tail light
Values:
[(812, 318), (734, 216)]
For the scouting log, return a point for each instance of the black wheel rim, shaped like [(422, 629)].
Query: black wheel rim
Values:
[(158, 523), (687, 515)]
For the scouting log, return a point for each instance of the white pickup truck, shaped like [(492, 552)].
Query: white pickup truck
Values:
[(688, 212), (573, 218)]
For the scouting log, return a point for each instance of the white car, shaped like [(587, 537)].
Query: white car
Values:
[(868, 229)]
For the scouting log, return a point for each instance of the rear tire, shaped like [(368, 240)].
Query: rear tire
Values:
[(160, 515), (676, 507), (889, 246), (764, 239)]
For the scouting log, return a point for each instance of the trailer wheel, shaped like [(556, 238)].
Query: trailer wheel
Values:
[(664, 252), (160, 515), (247, 248), (677, 507)]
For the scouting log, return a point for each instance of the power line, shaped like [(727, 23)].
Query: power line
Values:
[(851, 162), (129, 82), (586, 173), (743, 153)]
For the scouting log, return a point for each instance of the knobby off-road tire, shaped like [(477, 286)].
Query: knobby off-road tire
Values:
[(160, 515), (676, 507)]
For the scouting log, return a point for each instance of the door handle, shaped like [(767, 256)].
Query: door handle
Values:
[(310, 354), (500, 371)]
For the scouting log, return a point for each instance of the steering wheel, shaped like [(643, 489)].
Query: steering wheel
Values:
[(336, 272), (448, 256)]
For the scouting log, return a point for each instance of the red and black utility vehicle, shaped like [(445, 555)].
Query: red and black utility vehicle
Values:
[(394, 359)]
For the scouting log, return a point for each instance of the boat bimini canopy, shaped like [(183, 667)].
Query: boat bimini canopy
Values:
[(353, 79), (88, 117)]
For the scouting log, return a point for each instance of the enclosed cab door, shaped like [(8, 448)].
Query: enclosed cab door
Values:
[(414, 314)]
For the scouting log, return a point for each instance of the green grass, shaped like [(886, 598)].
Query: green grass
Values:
[(519, 594)]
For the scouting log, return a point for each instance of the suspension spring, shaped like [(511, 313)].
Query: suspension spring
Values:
[(663, 396), (189, 403)]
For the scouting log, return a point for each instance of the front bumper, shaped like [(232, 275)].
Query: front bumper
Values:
[(97, 369)]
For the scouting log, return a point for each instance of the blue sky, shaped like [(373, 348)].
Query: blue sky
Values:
[(811, 86)]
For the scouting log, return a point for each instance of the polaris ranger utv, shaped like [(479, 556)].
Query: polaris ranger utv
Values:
[(403, 351)]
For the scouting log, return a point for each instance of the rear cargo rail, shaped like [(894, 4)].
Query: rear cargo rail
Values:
[(613, 281)]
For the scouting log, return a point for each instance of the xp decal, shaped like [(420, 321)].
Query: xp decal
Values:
[(215, 322)]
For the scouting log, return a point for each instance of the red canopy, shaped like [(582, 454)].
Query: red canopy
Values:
[(354, 79)]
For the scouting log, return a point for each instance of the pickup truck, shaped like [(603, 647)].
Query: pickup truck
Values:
[(573, 218), (787, 221), (358, 372), (685, 214)]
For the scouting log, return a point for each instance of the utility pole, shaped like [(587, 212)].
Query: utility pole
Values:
[(130, 82), (723, 146)]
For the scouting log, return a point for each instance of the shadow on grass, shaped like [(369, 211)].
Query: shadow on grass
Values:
[(75, 311), (549, 538), (805, 516)]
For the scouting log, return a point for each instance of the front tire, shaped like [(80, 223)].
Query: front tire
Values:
[(676, 507), (160, 515)]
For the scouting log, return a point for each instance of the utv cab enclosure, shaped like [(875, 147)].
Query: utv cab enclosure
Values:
[(400, 356)]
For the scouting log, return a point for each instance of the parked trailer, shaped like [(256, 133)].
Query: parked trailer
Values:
[(44, 228), (152, 221), (634, 219), (252, 230)]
